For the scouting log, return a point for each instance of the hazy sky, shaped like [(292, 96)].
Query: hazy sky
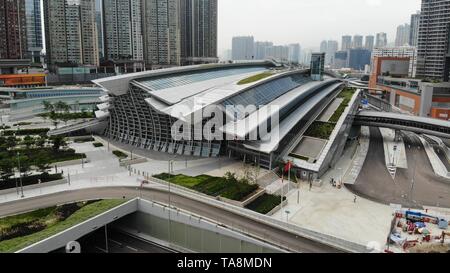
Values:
[(308, 22)]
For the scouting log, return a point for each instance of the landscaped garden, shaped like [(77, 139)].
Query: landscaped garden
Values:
[(228, 187), (35, 156), (319, 129), (20, 231), (323, 130), (61, 111), (265, 203)]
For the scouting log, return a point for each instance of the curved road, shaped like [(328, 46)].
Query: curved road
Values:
[(271, 234), (414, 187)]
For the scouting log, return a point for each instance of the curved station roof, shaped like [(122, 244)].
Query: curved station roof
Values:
[(182, 91)]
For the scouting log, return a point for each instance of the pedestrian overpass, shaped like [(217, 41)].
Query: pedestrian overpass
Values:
[(396, 121)]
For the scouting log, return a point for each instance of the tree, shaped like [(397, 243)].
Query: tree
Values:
[(28, 141), (11, 142), (40, 142), (6, 166), (48, 106), (54, 117), (42, 163), (25, 164), (57, 143), (62, 107)]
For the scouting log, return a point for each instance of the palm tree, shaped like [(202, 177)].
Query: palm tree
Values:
[(48, 106)]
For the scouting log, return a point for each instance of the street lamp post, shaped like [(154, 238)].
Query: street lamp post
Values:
[(20, 176)]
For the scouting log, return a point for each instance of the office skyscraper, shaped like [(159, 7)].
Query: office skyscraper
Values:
[(433, 56), (34, 29), (332, 47), (13, 30), (357, 41), (370, 42), (198, 24), (402, 37), (243, 48), (71, 32), (161, 32), (346, 43), (358, 58), (414, 31), (122, 30), (381, 40)]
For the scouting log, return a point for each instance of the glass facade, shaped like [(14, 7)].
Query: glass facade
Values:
[(161, 83), (34, 29), (317, 66), (263, 94)]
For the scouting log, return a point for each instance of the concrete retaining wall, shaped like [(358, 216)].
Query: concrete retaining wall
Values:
[(74, 233), (36, 186), (71, 162), (277, 208), (124, 163)]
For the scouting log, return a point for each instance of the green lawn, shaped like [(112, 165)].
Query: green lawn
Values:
[(213, 186), (52, 220), (265, 203), (255, 78)]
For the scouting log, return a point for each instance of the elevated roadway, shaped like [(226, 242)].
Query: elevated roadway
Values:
[(272, 234), (396, 121)]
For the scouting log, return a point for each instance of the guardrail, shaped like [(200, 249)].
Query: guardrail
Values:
[(36, 186), (329, 240), (74, 127)]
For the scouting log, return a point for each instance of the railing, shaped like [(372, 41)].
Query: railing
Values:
[(74, 127), (329, 240)]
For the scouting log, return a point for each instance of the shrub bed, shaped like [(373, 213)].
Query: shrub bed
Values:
[(97, 144), (26, 132), (84, 139), (213, 186), (120, 154), (265, 203), (68, 116), (29, 180), (320, 130)]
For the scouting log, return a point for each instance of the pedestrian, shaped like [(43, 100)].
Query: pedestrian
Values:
[(310, 185), (354, 200)]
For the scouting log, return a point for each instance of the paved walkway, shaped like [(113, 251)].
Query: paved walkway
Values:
[(438, 166), (333, 211), (359, 157), (323, 209), (394, 150)]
